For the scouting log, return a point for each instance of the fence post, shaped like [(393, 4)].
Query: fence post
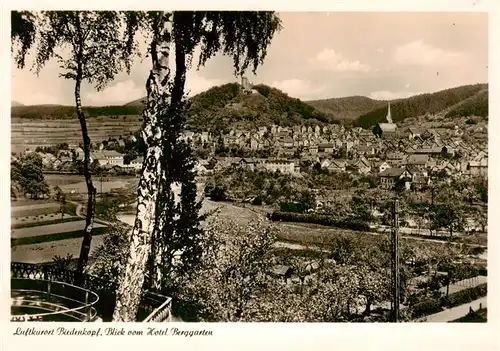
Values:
[(48, 289), (87, 305), (45, 270)]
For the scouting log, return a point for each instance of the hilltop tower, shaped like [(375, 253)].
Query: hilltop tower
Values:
[(389, 117), (245, 83)]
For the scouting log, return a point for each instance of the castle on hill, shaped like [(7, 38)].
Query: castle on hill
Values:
[(247, 86)]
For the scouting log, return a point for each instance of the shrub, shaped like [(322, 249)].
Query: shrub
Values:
[(218, 194), (464, 296), (431, 306), (257, 201), (291, 207), (426, 307)]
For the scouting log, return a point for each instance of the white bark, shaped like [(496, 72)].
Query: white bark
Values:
[(130, 288)]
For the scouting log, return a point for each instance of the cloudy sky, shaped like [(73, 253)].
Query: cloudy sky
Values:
[(320, 55)]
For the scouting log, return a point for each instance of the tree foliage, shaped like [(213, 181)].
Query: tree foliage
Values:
[(235, 260), (448, 216), (27, 173), (94, 39), (110, 257)]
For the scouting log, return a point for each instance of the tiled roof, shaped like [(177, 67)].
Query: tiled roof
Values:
[(392, 172), (417, 159), (387, 127)]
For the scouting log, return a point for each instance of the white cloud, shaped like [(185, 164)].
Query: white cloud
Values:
[(196, 84), (391, 95), (330, 60), (117, 94), (299, 88), (418, 52)]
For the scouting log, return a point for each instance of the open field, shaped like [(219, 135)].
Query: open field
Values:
[(27, 222), (238, 214), (37, 209), (55, 237), (106, 186), (26, 202), (45, 252), (50, 229), (76, 183), (33, 133), (60, 180)]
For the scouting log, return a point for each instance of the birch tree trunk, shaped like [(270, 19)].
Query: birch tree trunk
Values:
[(131, 283), (91, 190), (162, 257)]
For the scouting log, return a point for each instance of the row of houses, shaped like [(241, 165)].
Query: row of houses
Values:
[(285, 166)]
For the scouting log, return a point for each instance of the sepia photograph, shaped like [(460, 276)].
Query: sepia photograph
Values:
[(249, 166)]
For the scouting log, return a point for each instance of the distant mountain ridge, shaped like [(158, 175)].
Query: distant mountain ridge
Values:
[(229, 106), (137, 103), (466, 100), (347, 108)]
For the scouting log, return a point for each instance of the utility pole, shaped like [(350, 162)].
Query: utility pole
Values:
[(395, 263)]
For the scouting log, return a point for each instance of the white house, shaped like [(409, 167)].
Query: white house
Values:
[(108, 157), (284, 166)]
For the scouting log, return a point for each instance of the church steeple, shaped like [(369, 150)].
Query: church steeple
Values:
[(388, 117)]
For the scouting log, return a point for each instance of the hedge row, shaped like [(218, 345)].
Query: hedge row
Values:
[(39, 223), (464, 296), (319, 219), (431, 306), (54, 237)]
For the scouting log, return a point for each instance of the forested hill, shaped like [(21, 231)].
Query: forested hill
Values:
[(347, 108), (228, 106), (467, 100)]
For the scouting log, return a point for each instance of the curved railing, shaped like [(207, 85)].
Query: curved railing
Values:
[(153, 307), (63, 301)]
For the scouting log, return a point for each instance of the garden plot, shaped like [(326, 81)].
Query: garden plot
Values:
[(34, 210), (107, 186), (42, 220), (45, 252), (51, 229)]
